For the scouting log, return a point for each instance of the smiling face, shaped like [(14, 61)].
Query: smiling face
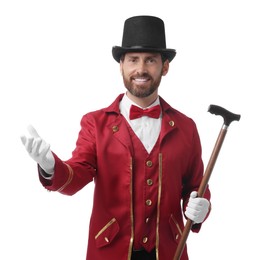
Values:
[(142, 73)]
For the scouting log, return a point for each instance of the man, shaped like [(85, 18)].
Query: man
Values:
[(143, 155)]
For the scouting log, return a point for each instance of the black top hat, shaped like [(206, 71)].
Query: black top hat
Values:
[(143, 34)]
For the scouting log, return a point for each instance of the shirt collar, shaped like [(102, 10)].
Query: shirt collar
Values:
[(126, 103)]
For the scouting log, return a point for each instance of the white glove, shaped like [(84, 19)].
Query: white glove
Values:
[(39, 150), (197, 208)]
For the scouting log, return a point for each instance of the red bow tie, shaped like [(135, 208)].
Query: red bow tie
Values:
[(137, 112)]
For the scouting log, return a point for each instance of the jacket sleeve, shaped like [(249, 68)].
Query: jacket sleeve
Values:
[(72, 175)]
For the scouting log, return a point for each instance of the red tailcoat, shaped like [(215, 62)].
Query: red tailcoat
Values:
[(104, 154)]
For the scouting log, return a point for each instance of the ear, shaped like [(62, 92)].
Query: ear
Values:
[(165, 68)]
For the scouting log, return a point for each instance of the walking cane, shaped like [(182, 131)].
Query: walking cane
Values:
[(228, 118)]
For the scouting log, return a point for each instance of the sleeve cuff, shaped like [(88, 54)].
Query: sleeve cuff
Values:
[(45, 175)]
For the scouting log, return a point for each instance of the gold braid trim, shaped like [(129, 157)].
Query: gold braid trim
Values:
[(70, 177), (159, 204)]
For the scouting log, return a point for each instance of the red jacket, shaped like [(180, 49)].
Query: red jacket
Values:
[(103, 153)]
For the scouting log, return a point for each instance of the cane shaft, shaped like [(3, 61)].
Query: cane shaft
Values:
[(202, 189), (212, 161)]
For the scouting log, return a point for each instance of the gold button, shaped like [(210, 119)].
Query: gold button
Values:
[(171, 123), (149, 182), (148, 202), (106, 239), (145, 240), (115, 128), (149, 163), (177, 236), (147, 220)]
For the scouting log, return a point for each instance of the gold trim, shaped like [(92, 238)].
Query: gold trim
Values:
[(112, 221), (131, 211), (159, 204), (70, 177), (177, 225)]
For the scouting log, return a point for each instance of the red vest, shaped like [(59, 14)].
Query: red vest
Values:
[(145, 193)]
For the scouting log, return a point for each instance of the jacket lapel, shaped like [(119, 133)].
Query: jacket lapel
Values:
[(118, 125), (168, 122), (120, 130)]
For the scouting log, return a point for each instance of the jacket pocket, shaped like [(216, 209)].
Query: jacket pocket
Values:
[(175, 228), (107, 234)]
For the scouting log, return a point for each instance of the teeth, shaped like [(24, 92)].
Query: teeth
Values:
[(141, 79)]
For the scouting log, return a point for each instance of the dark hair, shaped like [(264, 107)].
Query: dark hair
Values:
[(163, 58)]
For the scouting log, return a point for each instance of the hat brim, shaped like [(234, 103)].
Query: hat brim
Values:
[(119, 51)]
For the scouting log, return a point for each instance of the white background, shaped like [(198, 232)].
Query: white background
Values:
[(56, 65)]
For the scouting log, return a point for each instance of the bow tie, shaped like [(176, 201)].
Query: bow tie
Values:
[(137, 112)]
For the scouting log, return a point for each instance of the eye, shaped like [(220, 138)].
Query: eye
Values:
[(132, 60), (151, 60)]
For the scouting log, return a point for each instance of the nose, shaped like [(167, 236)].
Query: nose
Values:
[(141, 67)]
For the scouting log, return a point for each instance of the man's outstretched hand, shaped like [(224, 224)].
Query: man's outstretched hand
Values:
[(39, 150)]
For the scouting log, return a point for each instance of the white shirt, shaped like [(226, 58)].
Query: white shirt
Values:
[(146, 128)]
